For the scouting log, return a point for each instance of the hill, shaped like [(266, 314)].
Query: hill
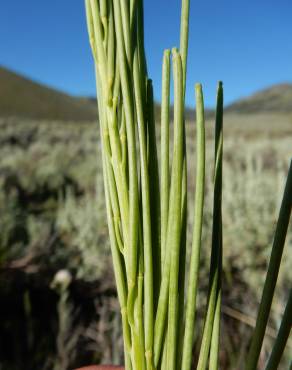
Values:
[(22, 97), (25, 98), (277, 99)]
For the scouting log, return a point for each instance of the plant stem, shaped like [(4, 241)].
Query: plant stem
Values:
[(215, 340), (146, 215), (272, 275), (197, 232), (164, 151), (214, 298), (111, 201), (174, 226), (184, 33), (217, 226), (282, 337), (154, 192), (132, 247), (184, 36)]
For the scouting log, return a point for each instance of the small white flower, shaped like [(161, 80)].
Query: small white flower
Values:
[(62, 279)]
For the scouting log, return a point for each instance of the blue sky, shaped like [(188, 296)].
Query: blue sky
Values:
[(247, 44)]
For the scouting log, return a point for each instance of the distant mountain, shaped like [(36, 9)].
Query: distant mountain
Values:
[(277, 98), (22, 97)]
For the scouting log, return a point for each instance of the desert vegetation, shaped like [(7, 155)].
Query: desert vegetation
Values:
[(53, 218)]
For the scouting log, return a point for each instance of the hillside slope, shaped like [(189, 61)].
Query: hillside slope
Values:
[(22, 97), (277, 98)]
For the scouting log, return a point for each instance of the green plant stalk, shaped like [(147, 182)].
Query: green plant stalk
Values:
[(208, 324), (137, 330), (214, 298), (140, 82), (121, 285), (112, 206), (109, 128), (217, 226), (272, 275), (215, 339), (95, 31), (146, 214), (154, 192), (182, 262), (197, 232), (184, 36), (184, 33), (282, 337), (112, 212), (160, 327), (162, 306), (162, 310), (108, 123), (110, 49), (140, 20), (174, 226), (163, 363), (131, 140), (125, 16), (123, 138), (139, 305), (165, 151), (118, 269)]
